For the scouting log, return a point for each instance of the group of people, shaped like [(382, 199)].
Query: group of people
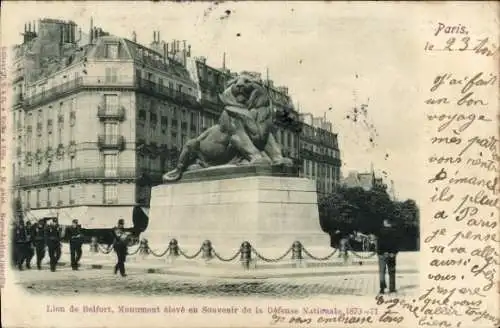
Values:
[(30, 240), (34, 239)]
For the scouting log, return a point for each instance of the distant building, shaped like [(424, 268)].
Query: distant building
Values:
[(319, 153), (367, 181)]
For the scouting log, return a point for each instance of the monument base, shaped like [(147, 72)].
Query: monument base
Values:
[(270, 212)]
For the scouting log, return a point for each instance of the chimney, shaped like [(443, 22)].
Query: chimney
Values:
[(189, 50), (164, 52), (134, 36), (154, 36), (166, 49), (25, 27), (158, 35), (91, 34)]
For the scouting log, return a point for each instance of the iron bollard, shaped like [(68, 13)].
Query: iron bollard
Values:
[(297, 250), (246, 254), (144, 247), (206, 250), (94, 246), (174, 248)]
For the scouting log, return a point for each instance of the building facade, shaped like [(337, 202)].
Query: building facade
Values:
[(319, 153), (98, 119)]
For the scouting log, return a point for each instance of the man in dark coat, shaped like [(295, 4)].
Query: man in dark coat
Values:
[(39, 241), (387, 249), (58, 250), (30, 252), (19, 236), (75, 243), (53, 243), (120, 246)]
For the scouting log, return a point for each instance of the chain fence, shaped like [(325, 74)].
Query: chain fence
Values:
[(245, 252)]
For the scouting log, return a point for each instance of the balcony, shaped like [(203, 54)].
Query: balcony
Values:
[(101, 82), (111, 142), (111, 112), (154, 89), (77, 174)]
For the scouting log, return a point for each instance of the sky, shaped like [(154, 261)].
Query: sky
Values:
[(333, 57)]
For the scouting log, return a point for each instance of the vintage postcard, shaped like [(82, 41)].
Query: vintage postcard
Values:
[(249, 164)]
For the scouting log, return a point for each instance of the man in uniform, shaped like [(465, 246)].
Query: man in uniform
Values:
[(39, 241), (58, 250), (30, 252), (388, 244), (120, 246), (53, 243), (75, 243), (19, 243)]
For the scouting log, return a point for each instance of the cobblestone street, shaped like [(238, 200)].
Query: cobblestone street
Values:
[(68, 282)]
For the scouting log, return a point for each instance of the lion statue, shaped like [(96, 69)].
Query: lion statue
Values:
[(243, 136)]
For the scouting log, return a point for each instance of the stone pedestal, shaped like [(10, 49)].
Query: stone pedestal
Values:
[(271, 212)]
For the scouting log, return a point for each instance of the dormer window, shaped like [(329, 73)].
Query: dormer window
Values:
[(112, 51)]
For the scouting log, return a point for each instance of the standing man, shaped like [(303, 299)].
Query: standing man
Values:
[(30, 252), (19, 243), (387, 250), (120, 246), (59, 229), (53, 243), (75, 243), (39, 241)]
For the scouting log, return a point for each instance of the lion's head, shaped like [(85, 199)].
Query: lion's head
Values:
[(246, 91)]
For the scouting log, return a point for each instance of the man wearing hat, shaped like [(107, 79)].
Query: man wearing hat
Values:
[(59, 230), (387, 249), (120, 246), (53, 243), (39, 240), (75, 243), (19, 243), (30, 252)]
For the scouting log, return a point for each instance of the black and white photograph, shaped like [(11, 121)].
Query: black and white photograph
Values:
[(218, 152)]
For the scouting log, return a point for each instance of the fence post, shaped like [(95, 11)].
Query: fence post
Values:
[(94, 246), (246, 254), (144, 248), (297, 253), (173, 250), (206, 250)]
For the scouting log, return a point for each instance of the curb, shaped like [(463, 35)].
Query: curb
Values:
[(242, 274)]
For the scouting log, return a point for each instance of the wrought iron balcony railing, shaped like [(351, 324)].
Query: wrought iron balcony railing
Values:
[(103, 82), (77, 174), (164, 91), (105, 141), (111, 112)]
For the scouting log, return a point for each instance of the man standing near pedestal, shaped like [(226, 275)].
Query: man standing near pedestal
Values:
[(387, 250), (19, 243), (120, 246), (30, 252), (75, 243), (53, 243), (39, 242)]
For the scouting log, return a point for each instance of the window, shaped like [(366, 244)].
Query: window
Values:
[(49, 196), (71, 194), (110, 165), (111, 75), (112, 51), (38, 198), (110, 131), (28, 199), (110, 193), (111, 103)]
